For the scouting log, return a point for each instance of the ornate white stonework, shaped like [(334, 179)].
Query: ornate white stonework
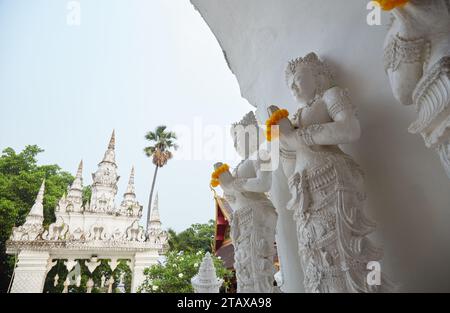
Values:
[(155, 233), (254, 218), (93, 231), (417, 61), (326, 185), (32, 227), (206, 281)]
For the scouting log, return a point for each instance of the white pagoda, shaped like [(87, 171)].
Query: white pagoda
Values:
[(98, 229), (206, 280)]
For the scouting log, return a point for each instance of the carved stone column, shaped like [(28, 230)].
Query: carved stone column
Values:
[(142, 260), (30, 273)]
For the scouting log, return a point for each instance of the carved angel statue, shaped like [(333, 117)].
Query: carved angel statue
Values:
[(254, 218), (417, 61), (326, 185)]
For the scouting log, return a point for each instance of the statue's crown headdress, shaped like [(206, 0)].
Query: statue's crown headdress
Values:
[(311, 60), (247, 120)]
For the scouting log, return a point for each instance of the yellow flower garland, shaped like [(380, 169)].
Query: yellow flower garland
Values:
[(216, 174), (274, 119), (388, 5)]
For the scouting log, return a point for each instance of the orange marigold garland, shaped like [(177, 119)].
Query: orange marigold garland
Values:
[(274, 119), (216, 174), (388, 5)]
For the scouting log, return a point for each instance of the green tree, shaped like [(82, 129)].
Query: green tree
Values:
[(160, 151), (174, 275), (87, 193), (195, 238), (186, 251), (20, 179)]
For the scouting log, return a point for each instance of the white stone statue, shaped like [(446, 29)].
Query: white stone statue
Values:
[(326, 185), (110, 284), (89, 285), (66, 285), (102, 281), (417, 61), (206, 281), (254, 217), (55, 280), (78, 281), (121, 284)]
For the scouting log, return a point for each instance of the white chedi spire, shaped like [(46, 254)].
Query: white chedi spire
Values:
[(38, 207), (206, 281), (130, 186), (73, 200), (130, 205), (61, 207), (78, 182), (110, 155), (154, 213), (32, 228), (155, 233), (104, 187)]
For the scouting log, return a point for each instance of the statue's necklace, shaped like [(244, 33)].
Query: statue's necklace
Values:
[(313, 100), (309, 104)]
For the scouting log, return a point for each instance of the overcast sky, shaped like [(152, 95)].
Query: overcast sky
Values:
[(129, 65)]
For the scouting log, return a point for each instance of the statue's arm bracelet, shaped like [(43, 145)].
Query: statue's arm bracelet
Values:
[(401, 50)]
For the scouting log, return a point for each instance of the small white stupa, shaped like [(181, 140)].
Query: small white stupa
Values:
[(33, 225), (206, 281)]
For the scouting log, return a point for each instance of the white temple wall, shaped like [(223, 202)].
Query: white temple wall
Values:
[(87, 220), (142, 261), (407, 188)]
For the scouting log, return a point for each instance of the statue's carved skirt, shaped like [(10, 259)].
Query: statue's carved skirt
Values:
[(328, 205)]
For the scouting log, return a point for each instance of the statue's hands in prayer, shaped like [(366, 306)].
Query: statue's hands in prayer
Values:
[(286, 131), (225, 179), (288, 137)]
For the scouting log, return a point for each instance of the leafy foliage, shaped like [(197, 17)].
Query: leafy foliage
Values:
[(186, 252), (87, 192), (174, 276), (20, 179), (195, 238), (163, 141)]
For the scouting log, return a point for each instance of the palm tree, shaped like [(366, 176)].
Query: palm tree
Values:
[(163, 141)]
